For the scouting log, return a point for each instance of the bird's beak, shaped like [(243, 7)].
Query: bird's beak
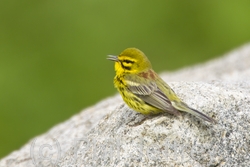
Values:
[(112, 57)]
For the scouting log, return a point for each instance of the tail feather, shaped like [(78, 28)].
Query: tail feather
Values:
[(184, 107), (201, 115)]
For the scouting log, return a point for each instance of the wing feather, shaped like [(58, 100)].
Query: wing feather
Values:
[(149, 92)]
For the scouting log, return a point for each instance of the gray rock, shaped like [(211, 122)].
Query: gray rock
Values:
[(111, 134)]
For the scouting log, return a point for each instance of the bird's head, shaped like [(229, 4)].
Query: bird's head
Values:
[(130, 61)]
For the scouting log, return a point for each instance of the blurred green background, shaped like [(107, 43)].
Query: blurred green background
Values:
[(53, 53)]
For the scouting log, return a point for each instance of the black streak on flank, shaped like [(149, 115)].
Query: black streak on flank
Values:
[(119, 80)]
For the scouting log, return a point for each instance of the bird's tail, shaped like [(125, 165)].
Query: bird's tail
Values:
[(201, 115), (184, 107)]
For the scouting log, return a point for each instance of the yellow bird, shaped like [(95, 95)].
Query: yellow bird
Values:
[(143, 90)]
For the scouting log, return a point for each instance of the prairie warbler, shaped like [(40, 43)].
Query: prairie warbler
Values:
[(143, 90)]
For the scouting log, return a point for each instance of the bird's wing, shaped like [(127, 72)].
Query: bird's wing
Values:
[(149, 92)]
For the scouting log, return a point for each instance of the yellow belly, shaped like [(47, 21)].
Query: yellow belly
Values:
[(137, 104)]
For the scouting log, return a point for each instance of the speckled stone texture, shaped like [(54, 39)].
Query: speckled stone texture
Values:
[(111, 134)]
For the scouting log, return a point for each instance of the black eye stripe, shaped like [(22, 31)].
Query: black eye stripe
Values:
[(128, 61)]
